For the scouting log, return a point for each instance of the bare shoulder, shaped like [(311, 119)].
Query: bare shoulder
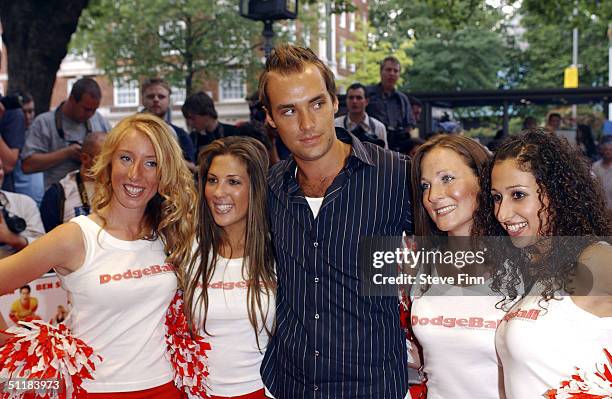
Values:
[(65, 247), (597, 256), (62, 249)]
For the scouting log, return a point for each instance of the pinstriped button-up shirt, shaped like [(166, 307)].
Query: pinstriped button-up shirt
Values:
[(330, 341)]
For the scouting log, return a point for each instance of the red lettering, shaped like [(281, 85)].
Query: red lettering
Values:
[(534, 314), (218, 284), (117, 277), (156, 269), (424, 321), (449, 322), (228, 286), (128, 274), (58, 284), (39, 287), (415, 320), (476, 322), (105, 278), (436, 321), (146, 271), (241, 284), (492, 324), (167, 268), (137, 274)]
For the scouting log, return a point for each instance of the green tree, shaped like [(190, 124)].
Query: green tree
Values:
[(548, 39), (467, 59), (458, 45), (366, 53), (180, 40)]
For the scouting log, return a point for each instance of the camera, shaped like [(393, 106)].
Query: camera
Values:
[(13, 222)]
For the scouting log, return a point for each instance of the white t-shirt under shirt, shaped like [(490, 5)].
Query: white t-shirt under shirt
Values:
[(456, 330), (539, 349), (234, 359), (119, 298)]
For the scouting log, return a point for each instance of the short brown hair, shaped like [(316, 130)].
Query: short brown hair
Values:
[(155, 82), (392, 60), (287, 59)]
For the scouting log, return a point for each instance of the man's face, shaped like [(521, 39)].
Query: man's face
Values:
[(199, 123), (303, 112), (24, 294), (28, 113), (389, 74), (606, 152), (554, 122), (156, 100), (356, 101), (83, 110)]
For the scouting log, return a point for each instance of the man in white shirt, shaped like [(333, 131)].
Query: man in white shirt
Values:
[(357, 121)]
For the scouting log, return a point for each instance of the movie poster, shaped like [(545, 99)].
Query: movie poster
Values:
[(42, 299)]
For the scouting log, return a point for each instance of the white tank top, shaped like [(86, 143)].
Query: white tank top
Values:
[(234, 359), (456, 330), (540, 349), (119, 299)]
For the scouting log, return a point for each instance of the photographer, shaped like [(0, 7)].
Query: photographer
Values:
[(20, 222)]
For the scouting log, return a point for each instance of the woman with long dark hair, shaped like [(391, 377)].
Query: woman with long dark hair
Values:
[(556, 340), (231, 292)]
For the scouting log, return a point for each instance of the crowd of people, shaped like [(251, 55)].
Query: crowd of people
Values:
[(268, 260)]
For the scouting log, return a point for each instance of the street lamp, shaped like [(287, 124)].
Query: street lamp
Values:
[(268, 11)]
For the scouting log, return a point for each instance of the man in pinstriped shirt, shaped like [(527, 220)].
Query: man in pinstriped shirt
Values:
[(330, 341)]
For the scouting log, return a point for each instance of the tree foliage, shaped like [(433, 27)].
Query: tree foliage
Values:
[(458, 45), (548, 39), (366, 53), (180, 40)]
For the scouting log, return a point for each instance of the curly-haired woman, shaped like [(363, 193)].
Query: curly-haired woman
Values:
[(539, 192)]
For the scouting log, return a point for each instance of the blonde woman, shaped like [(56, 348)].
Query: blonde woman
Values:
[(121, 264)]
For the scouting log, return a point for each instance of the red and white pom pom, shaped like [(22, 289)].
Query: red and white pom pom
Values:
[(186, 352), (37, 350), (583, 385)]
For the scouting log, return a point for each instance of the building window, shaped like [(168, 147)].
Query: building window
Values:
[(232, 86), (125, 93), (342, 54), (342, 23), (351, 66), (179, 94), (352, 22)]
